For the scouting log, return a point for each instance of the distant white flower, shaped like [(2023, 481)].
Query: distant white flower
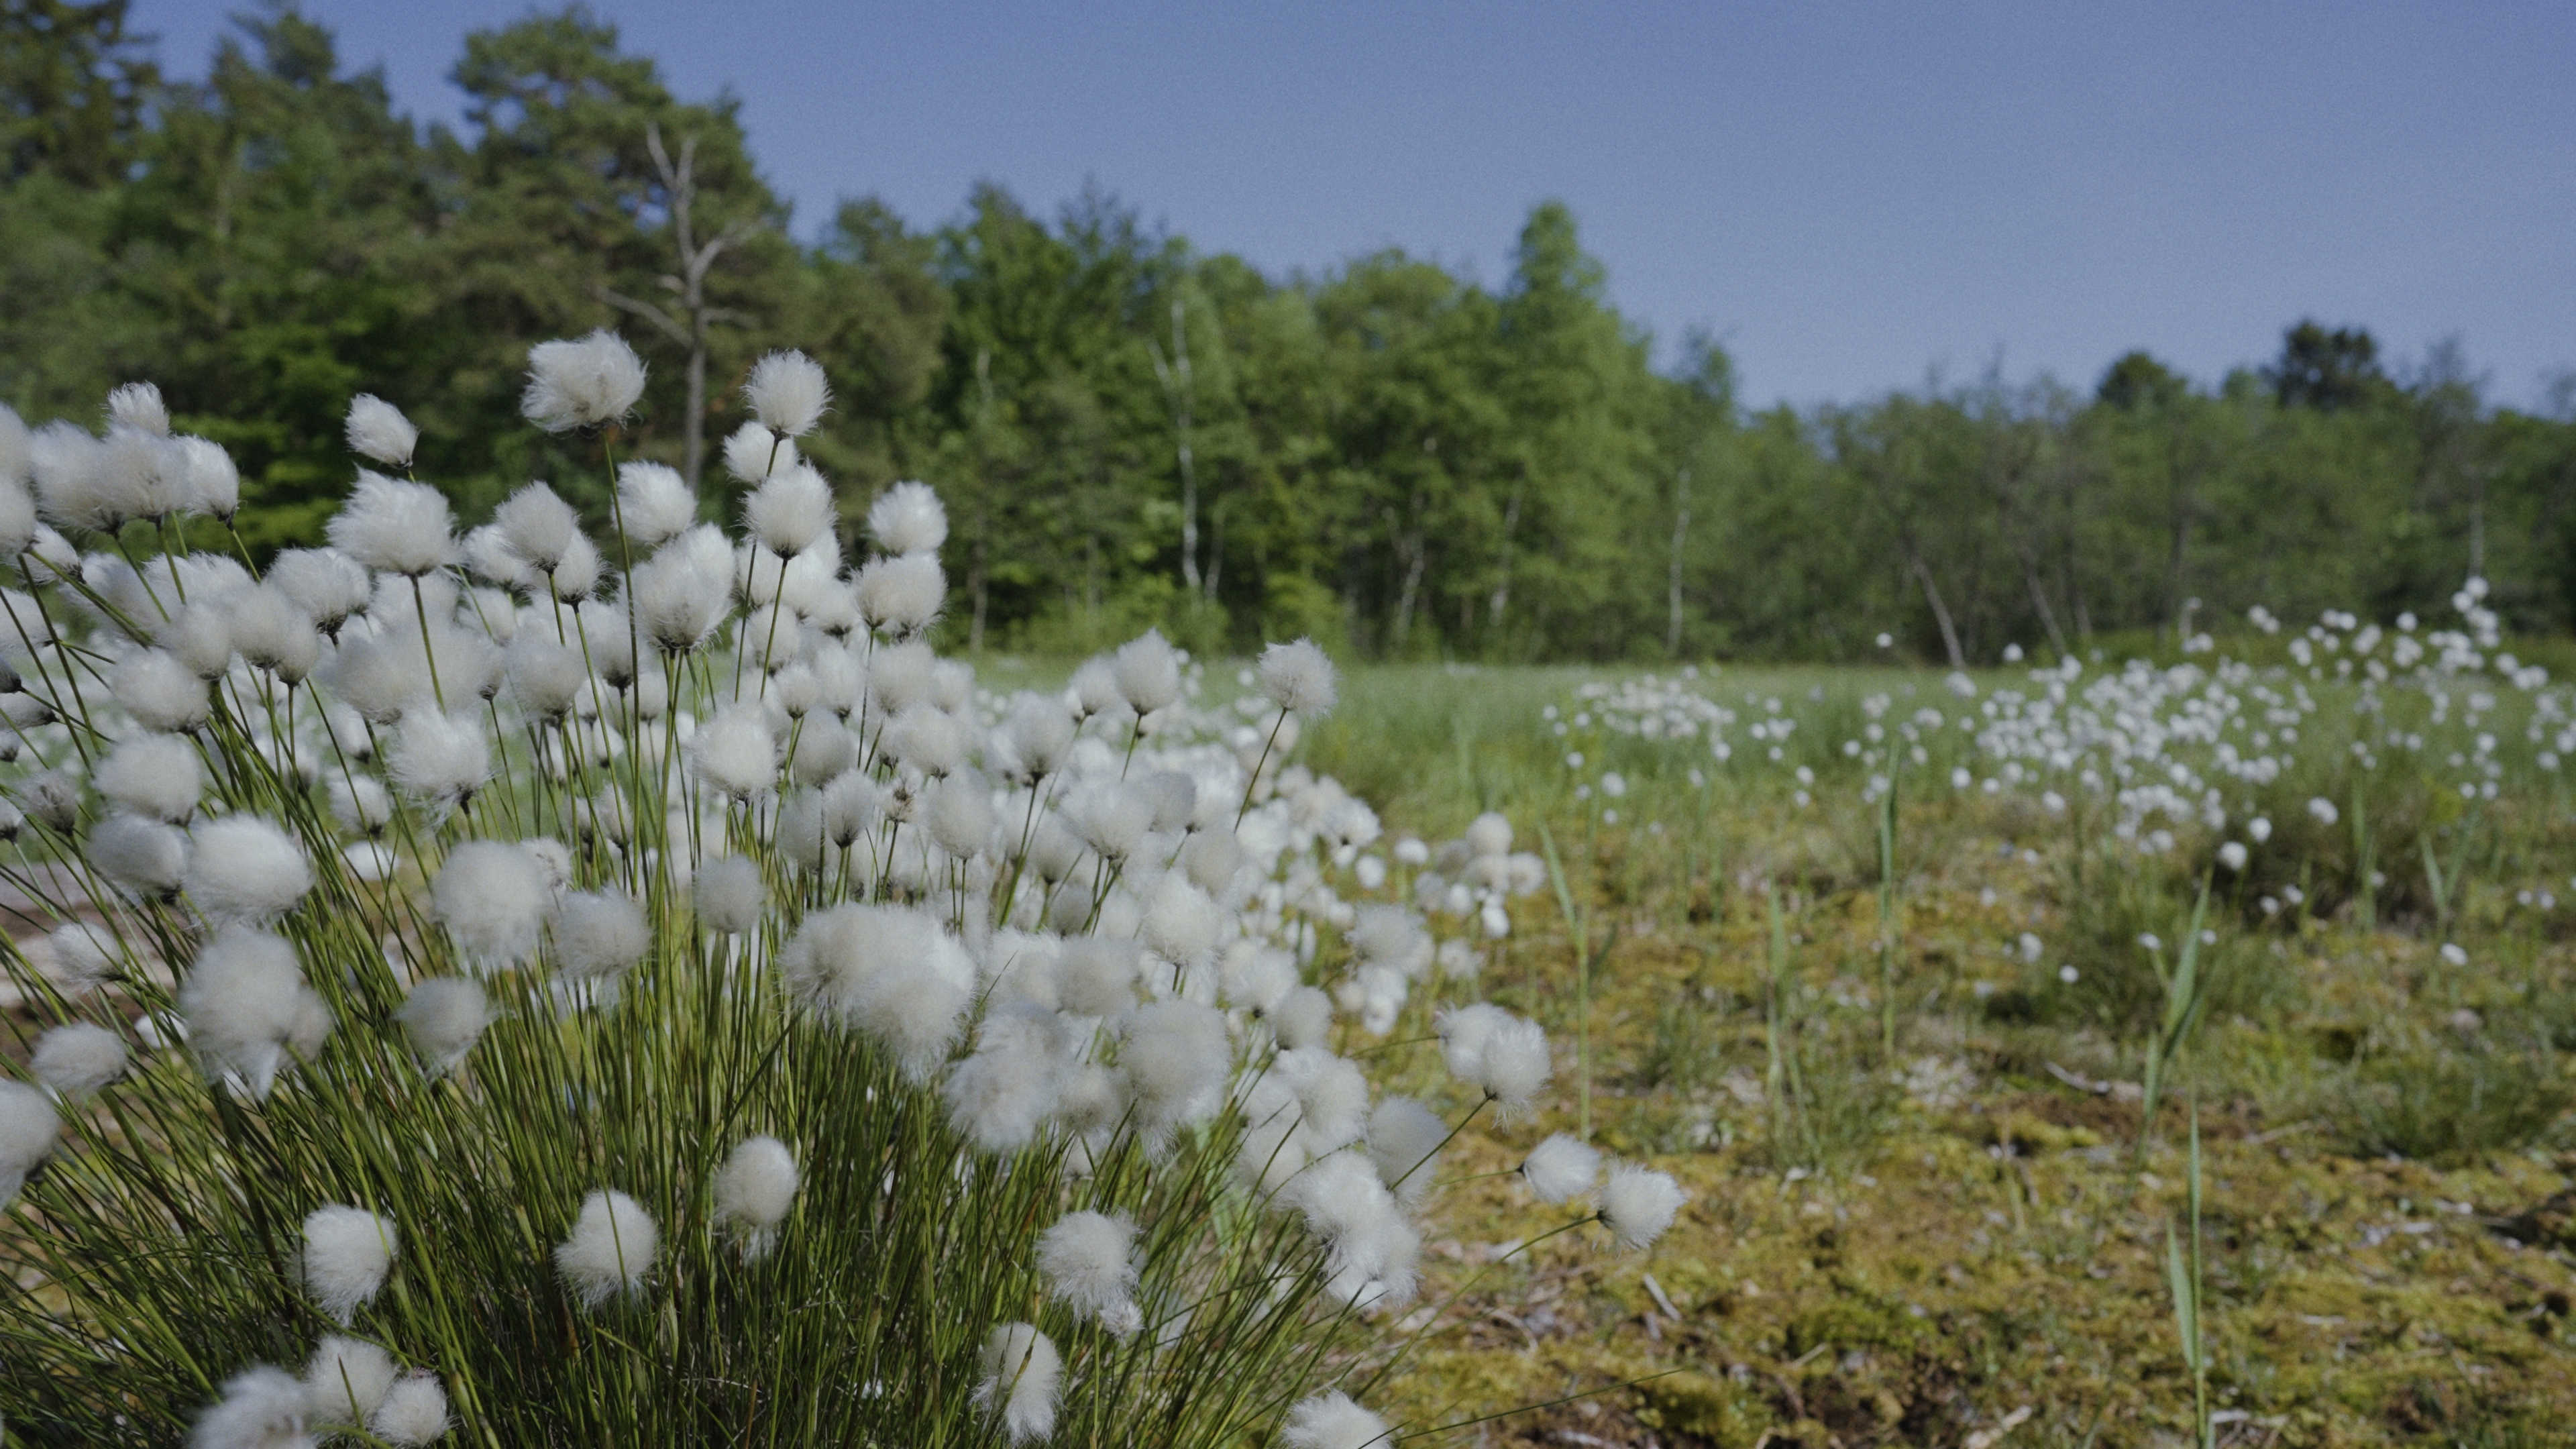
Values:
[(2232, 855), (2258, 830), (2324, 810), (348, 1251), (908, 518), (1333, 1421), (754, 1189), (578, 382), (346, 1380), (378, 430), (611, 1248), (1019, 1383), (2452, 953), (788, 392), (1490, 836), (1638, 1204), (1561, 1168), (1149, 676), (414, 1411), (1297, 677), (262, 1407), (1085, 1258)]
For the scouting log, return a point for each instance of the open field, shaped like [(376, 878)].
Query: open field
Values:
[(1930, 1218)]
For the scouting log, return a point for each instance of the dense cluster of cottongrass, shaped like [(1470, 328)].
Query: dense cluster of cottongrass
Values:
[(524, 988)]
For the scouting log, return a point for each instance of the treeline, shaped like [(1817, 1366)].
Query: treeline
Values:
[(1385, 454)]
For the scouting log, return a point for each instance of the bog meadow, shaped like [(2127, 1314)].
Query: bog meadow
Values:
[(620, 828)]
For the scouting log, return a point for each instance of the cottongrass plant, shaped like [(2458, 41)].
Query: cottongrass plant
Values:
[(520, 988)]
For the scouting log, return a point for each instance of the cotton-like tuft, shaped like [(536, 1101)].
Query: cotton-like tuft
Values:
[(681, 594), (1490, 835), (908, 518), (1149, 674), (1404, 1141), (735, 753), (1088, 1265), (1561, 1169), (378, 430), (272, 632), (1298, 678), (1021, 1370), (208, 483), (28, 1125), (144, 856), (889, 971), (1181, 924), (443, 1017), (396, 526), (17, 505), (17, 459), (902, 595), (538, 525), (1303, 1017), (755, 1188), (246, 1004), (752, 452), (348, 1251), (1515, 1064), (138, 405), (580, 382), (262, 1408), (730, 895), (1002, 1094), (788, 511), (959, 814), (155, 775), (414, 1411), (85, 955), (1638, 1204), (1096, 976), (1040, 734), (159, 691), (1373, 1250), (493, 899), (345, 1381), (1333, 1421), (325, 583), (788, 392), (925, 738), (654, 503), (245, 868), (1093, 690), (610, 1250), (599, 933), (78, 1058), (1173, 1060), (440, 758), (1113, 820)]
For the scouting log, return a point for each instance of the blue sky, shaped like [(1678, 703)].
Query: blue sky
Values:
[(1851, 195)]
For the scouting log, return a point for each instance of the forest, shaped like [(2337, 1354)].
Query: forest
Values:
[(1403, 461)]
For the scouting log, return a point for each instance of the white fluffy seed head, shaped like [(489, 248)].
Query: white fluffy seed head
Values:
[(1404, 1140), (245, 868), (599, 933), (393, 525), (1173, 1061), (889, 971), (346, 1381), (348, 1251), (1515, 1065), (376, 429), (78, 1058), (207, 482), (545, 676), (1638, 1204), (679, 600), (752, 452), (1021, 1370), (579, 382), (246, 1003), (325, 583), (908, 518), (28, 1126), (1333, 1421), (959, 814), (754, 1189), (610, 1250), (538, 525), (159, 691), (654, 503), (788, 392), (138, 405), (493, 899), (735, 753), (262, 1407), (788, 512), (443, 1017), (271, 632), (1040, 734), (1298, 678), (902, 594), (1096, 976), (414, 1411), (440, 758), (730, 895), (1561, 1168), (1303, 1018), (1088, 1264), (1490, 836), (1181, 924), (155, 775), (1148, 673), (144, 856)]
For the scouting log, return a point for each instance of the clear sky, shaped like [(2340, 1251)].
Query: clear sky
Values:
[(1850, 195)]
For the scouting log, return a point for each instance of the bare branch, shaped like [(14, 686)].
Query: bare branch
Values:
[(643, 309)]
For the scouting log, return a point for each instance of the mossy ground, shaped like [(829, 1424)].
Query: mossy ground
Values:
[(1961, 1241)]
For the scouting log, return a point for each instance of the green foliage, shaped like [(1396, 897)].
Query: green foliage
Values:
[(1384, 454)]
